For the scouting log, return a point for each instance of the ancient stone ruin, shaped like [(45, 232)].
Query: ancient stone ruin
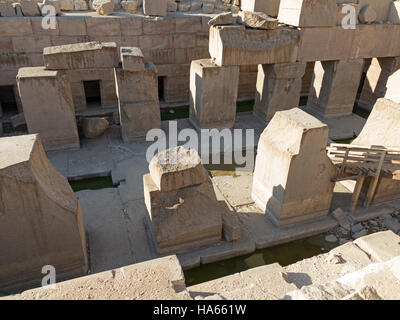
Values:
[(144, 139)]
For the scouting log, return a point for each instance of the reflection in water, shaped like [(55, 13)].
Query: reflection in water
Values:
[(284, 254)]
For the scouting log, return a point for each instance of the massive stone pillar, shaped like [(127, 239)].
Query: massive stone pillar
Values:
[(40, 217), (181, 201), (278, 88), (137, 91), (48, 107), (334, 87), (292, 176), (376, 81), (213, 94)]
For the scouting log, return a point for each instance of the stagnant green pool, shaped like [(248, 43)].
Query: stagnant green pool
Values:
[(284, 254), (92, 184)]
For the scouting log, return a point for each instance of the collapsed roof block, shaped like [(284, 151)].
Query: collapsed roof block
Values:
[(292, 176), (132, 58), (189, 215), (48, 107), (41, 219), (81, 56), (308, 13), (213, 94)]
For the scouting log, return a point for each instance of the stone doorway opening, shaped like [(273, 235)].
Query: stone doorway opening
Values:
[(92, 93), (8, 103), (161, 88)]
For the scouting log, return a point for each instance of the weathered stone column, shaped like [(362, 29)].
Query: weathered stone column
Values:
[(278, 88), (213, 94), (334, 87), (48, 107), (137, 91), (41, 218), (376, 81), (292, 176)]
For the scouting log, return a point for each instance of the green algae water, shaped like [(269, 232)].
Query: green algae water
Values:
[(284, 254), (92, 184)]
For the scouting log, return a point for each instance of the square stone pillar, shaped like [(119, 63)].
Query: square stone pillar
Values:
[(334, 87), (48, 107), (213, 94), (278, 88), (376, 81), (292, 176), (137, 91), (41, 218)]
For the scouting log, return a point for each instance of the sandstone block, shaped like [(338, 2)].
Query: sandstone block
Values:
[(367, 15), (155, 7), (278, 88), (67, 5), (172, 6), (208, 7), (381, 8), (213, 94), (29, 8), (81, 56), (130, 6), (176, 168), (308, 13), (132, 59), (334, 86), (94, 127), (183, 219), (236, 45), (394, 12), (292, 175), (105, 8), (55, 3), (48, 107), (15, 27), (17, 8), (257, 20), (54, 233), (80, 5)]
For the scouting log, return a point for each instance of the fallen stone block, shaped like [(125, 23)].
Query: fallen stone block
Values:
[(183, 218), (225, 18), (235, 45), (365, 293), (18, 120), (67, 5), (367, 15), (381, 8), (81, 56), (381, 246), (54, 233), (80, 5), (308, 13), (94, 127), (176, 168), (29, 8), (130, 6), (292, 175), (172, 6), (155, 7), (132, 59), (231, 227), (48, 107), (208, 7), (342, 218), (257, 20), (213, 94)]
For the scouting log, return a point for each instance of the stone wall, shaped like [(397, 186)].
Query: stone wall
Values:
[(171, 43)]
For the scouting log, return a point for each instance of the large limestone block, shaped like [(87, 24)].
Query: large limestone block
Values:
[(40, 217), (155, 7), (381, 8), (7, 9), (48, 107), (183, 219), (213, 94), (132, 58), (334, 86), (29, 8), (381, 246), (176, 168), (377, 85), (308, 13), (235, 45), (138, 118), (139, 106), (81, 56), (270, 7), (278, 88), (292, 175)]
